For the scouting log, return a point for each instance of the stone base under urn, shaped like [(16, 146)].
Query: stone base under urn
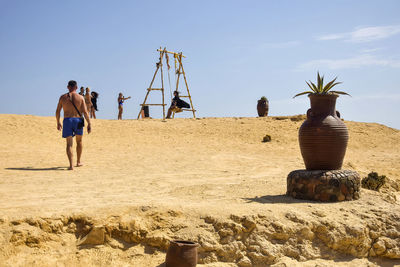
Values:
[(326, 186)]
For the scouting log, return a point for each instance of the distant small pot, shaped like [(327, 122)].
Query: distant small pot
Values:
[(181, 254), (262, 108)]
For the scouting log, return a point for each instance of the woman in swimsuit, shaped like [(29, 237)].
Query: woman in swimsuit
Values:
[(88, 100), (121, 100)]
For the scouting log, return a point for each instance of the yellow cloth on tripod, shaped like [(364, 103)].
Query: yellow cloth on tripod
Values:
[(167, 59), (176, 110)]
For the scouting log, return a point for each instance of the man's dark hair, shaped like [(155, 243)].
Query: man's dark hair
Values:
[(71, 83)]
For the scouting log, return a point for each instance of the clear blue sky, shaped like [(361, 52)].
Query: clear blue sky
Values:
[(237, 51)]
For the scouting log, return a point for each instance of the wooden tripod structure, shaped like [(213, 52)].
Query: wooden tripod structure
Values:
[(179, 71)]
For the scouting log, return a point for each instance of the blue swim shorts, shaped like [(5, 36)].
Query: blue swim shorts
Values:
[(70, 127)]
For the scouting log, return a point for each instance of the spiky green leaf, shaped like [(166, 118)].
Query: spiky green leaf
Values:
[(322, 84), (303, 93), (312, 88), (340, 93), (315, 88), (328, 86), (333, 85), (318, 81), (309, 85)]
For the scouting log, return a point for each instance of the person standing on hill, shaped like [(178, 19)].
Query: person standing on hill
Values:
[(121, 100), (82, 91), (88, 100), (74, 107), (94, 95)]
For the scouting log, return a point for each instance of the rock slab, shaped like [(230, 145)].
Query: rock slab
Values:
[(325, 186), (94, 237)]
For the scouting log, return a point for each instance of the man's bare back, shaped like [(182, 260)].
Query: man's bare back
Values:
[(68, 107)]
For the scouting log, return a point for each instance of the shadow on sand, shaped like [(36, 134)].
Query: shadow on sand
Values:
[(38, 169), (272, 199)]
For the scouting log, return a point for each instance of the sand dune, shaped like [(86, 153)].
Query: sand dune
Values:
[(210, 180)]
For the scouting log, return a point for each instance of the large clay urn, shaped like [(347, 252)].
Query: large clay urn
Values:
[(262, 107), (323, 136), (181, 254)]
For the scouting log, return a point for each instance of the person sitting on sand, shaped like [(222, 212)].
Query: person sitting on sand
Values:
[(94, 95), (74, 106), (121, 100), (176, 105), (88, 100)]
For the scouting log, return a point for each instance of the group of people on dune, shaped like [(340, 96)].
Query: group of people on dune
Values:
[(90, 101), (83, 105)]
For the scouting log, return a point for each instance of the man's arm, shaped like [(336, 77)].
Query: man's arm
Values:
[(86, 115), (125, 98), (58, 111)]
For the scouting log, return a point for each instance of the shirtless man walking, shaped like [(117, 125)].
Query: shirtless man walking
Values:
[(72, 121)]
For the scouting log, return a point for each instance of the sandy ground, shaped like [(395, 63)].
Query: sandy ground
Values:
[(205, 168)]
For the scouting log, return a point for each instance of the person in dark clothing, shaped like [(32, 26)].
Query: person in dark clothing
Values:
[(176, 105), (94, 95)]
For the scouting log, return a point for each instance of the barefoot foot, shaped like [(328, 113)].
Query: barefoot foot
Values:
[(71, 168), (79, 164)]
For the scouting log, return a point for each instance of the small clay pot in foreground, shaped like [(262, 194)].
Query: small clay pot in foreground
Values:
[(181, 254)]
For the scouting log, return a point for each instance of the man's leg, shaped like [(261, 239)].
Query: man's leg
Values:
[(69, 151), (79, 147), (170, 111)]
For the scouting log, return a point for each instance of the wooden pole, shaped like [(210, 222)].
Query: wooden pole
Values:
[(148, 91), (159, 64), (187, 87), (169, 52), (162, 81), (177, 79)]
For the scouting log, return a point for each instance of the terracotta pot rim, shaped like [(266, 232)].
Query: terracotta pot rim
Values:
[(323, 95), (185, 243)]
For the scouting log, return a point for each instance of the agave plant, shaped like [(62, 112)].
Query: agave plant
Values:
[(320, 89)]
